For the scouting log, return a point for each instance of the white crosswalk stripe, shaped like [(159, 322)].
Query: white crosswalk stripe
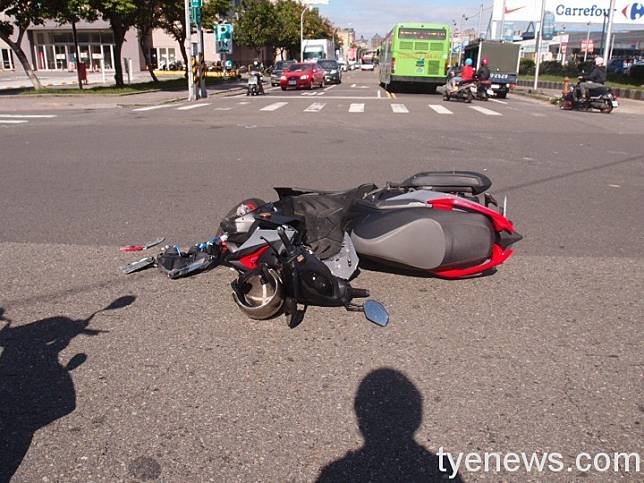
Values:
[(315, 107), (150, 108), (274, 107), (356, 108), (399, 109), (498, 102), (487, 112), (440, 109), (192, 106), (13, 121)]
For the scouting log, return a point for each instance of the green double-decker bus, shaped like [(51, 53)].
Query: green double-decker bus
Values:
[(415, 53)]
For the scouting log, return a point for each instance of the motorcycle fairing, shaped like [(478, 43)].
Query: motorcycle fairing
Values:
[(450, 181)]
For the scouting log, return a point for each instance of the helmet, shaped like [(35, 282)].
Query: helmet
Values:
[(484, 61), (468, 61), (599, 61), (259, 294)]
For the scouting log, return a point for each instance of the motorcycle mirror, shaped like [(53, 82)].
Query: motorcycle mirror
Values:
[(375, 312)]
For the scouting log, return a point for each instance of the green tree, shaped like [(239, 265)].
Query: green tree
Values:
[(256, 26), (22, 14), (287, 36), (147, 17), (121, 14), (71, 12), (215, 11)]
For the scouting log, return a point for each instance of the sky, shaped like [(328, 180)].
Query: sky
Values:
[(369, 17)]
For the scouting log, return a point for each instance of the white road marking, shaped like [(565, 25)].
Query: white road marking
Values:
[(315, 107), (223, 108), (379, 94), (353, 85), (497, 101), (538, 114), (150, 108), (192, 106), (29, 116), (330, 87), (274, 107), (312, 94), (12, 121), (356, 108), (243, 103), (440, 109), (399, 109), (485, 111)]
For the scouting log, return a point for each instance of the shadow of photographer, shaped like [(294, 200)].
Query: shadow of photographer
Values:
[(35, 388), (389, 408)]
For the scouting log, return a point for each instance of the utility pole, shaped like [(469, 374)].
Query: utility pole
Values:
[(587, 42), (188, 47), (502, 18), (480, 21), (537, 49), (608, 31)]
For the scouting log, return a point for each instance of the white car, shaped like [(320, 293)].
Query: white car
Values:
[(364, 66)]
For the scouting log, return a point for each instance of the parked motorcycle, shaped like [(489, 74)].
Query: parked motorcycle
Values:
[(255, 84), (600, 98)]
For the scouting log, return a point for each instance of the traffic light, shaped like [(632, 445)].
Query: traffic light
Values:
[(224, 38)]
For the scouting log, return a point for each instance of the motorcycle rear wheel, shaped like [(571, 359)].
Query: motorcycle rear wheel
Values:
[(608, 107)]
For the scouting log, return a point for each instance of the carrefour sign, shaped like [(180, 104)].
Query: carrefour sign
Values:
[(577, 11)]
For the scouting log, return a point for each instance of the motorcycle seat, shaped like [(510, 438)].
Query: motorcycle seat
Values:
[(420, 238), (450, 181)]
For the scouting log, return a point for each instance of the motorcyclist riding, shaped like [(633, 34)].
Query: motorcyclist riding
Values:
[(483, 74), (596, 79), (468, 71), (256, 70)]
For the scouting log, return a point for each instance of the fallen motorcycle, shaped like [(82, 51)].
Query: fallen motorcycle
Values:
[(304, 249), (600, 98)]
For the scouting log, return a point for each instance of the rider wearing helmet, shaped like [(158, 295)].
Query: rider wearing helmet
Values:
[(483, 75), (468, 71), (595, 80)]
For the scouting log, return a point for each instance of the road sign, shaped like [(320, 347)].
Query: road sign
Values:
[(548, 26), (196, 4), (588, 45), (224, 38)]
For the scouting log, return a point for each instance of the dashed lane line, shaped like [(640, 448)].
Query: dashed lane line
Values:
[(440, 109), (151, 108), (13, 121), (487, 112), (28, 116), (356, 108), (192, 106)]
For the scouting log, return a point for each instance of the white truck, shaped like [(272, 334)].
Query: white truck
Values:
[(318, 49)]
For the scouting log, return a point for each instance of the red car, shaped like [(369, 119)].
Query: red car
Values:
[(302, 76)]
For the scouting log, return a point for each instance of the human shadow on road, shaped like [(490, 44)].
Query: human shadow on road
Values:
[(35, 388), (390, 410)]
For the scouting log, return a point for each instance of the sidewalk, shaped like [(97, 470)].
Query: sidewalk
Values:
[(18, 79), (14, 103)]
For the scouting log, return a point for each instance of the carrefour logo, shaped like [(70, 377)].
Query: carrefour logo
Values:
[(635, 11), (593, 11)]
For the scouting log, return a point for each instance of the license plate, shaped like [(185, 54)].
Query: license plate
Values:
[(495, 86), (615, 103), (292, 82)]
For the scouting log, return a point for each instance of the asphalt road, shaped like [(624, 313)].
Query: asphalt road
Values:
[(545, 355)]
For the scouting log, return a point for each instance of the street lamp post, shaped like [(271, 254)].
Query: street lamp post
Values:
[(537, 49), (607, 50), (302, 33)]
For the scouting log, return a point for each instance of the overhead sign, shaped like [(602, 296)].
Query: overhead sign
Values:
[(548, 26), (627, 12)]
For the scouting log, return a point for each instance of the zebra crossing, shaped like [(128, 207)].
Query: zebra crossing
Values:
[(13, 119), (317, 107)]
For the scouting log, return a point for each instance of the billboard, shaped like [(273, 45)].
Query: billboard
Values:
[(627, 12)]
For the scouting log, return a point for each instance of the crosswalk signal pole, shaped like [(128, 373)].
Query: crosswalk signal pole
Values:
[(203, 93), (188, 47)]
